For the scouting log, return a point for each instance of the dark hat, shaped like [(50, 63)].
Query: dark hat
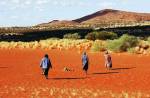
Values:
[(46, 55)]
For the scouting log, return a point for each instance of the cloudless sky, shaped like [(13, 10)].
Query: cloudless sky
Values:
[(32, 12)]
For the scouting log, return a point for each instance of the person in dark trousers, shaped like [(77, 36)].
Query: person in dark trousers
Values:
[(108, 60), (45, 65), (85, 62)]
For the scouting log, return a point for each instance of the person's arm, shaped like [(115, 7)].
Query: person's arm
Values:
[(41, 63), (87, 59), (109, 58), (50, 64), (82, 59)]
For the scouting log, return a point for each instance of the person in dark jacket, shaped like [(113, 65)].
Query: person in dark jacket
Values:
[(85, 62), (45, 65)]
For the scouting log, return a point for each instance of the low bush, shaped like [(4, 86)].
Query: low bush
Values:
[(101, 35), (72, 36), (131, 50), (123, 43)]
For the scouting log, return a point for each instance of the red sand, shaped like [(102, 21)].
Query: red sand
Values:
[(20, 73)]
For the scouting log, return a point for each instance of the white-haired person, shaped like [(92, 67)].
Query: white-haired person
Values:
[(108, 60)]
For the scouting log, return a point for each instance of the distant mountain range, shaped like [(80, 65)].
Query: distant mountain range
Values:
[(103, 18)]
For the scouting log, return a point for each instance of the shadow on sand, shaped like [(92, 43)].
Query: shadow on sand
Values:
[(122, 68), (3, 67), (69, 78), (106, 73)]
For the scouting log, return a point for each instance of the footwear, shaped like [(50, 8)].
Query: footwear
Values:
[(42, 73), (46, 77)]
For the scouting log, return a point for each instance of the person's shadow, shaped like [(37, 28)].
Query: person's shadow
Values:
[(127, 68), (78, 78), (116, 70), (105, 73), (3, 67)]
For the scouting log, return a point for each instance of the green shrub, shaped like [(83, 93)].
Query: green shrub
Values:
[(72, 36), (123, 43), (114, 45), (148, 39), (105, 35), (131, 50), (101, 35), (98, 46)]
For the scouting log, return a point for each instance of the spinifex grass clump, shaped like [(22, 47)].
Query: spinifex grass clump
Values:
[(61, 44), (98, 46)]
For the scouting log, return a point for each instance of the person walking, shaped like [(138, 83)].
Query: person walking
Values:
[(85, 62), (45, 65), (108, 60)]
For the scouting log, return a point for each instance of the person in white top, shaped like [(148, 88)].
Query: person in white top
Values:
[(108, 60)]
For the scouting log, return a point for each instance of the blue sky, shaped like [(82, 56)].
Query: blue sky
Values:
[(31, 12)]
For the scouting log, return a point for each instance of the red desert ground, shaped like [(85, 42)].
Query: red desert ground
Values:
[(20, 75)]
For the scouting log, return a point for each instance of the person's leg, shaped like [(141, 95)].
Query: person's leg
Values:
[(43, 71), (109, 68), (46, 76), (46, 73), (110, 64), (106, 65), (86, 72)]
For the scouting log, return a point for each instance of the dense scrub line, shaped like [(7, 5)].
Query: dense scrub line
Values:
[(32, 34)]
